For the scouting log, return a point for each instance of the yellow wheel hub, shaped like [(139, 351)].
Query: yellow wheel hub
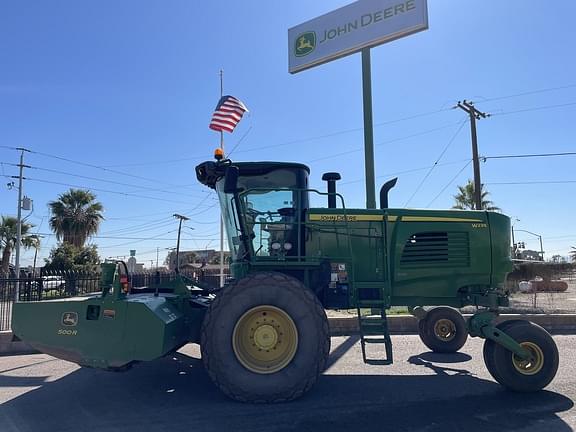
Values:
[(533, 365), (445, 330), (265, 339)]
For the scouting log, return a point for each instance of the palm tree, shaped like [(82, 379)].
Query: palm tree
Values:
[(573, 254), (8, 228), (465, 198), (76, 216)]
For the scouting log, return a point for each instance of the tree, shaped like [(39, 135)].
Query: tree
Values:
[(76, 216), (573, 254), (465, 198), (558, 259), (8, 228), (69, 257)]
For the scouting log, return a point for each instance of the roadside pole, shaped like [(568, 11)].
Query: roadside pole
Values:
[(474, 115), (368, 129), (182, 218), (19, 224)]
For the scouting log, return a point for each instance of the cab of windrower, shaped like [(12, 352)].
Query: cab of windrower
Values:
[(263, 205)]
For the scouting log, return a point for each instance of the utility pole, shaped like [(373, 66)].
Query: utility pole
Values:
[(474, 114), (19, 220), (157, 253), (182, 218)]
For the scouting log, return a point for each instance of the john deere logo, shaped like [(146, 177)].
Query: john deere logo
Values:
[(305, 44), (69, 319)]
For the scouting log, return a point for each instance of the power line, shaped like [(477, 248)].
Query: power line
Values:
[(140, 238), (530, 92), (449, 183), (345, 131), (342, 132), (297, 141), (239, 141), (98, 167), (540, 108), (437, 160), (429, 131), (529, 155), (141, 228), (533, 182), (108, 181), (103, 190), (156, 238), (404, 172)]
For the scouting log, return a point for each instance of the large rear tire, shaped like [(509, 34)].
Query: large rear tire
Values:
[(443, 330), (523, 375), (265, 339)]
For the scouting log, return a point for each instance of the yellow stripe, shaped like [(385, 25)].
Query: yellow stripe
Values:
[(380, 218), (343, 218), (437, 219)]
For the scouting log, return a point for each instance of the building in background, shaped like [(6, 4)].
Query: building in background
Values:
[(195, 259)]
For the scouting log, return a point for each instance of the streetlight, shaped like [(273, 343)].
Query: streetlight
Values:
[(535, 235), (182, 218), (514, 248)]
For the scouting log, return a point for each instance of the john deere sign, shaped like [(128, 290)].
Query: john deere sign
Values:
[(365, 23)]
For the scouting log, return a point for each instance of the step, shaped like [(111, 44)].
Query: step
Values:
[(378, 362), (376, 340)]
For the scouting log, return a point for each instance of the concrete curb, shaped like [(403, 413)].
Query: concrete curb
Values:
[(407, 324), (398, 324)]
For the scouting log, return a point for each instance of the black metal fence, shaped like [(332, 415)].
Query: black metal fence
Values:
[(62, 284)]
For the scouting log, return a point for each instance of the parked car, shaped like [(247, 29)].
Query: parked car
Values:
[(50, 283)]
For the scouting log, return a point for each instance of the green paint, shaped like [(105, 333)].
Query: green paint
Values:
[(348, 257)]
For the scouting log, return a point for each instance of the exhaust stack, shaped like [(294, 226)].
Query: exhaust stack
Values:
[(331, 178), (384, 192)]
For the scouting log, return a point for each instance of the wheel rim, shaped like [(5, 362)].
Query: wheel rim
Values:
[(445, 330), (265, 339), (533, 365)]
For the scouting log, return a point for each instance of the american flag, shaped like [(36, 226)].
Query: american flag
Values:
[(227, 114)]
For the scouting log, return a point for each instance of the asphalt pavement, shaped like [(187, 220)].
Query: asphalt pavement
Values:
[(421, 391)]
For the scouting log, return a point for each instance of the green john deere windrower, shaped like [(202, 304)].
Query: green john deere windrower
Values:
[(264, 337)]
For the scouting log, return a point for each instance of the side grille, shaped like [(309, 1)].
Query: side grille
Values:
[(436, 249)]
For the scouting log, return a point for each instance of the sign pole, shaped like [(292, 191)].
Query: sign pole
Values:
[(368, 129)]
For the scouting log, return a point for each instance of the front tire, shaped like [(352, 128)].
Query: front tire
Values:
[(265, 339), (522, 375), (443, 330)]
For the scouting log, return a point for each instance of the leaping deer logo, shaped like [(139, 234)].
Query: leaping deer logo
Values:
[(305, 44), (69, 318)]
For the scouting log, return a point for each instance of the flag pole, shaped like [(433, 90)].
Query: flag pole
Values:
[(221, 214)]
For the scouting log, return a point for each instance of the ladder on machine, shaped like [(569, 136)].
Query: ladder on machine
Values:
[(374, 330)]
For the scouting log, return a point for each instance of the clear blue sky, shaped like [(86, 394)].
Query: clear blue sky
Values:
[(130, 86)]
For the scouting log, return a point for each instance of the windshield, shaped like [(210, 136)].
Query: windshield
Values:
[(270, 221), (230, 221)]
